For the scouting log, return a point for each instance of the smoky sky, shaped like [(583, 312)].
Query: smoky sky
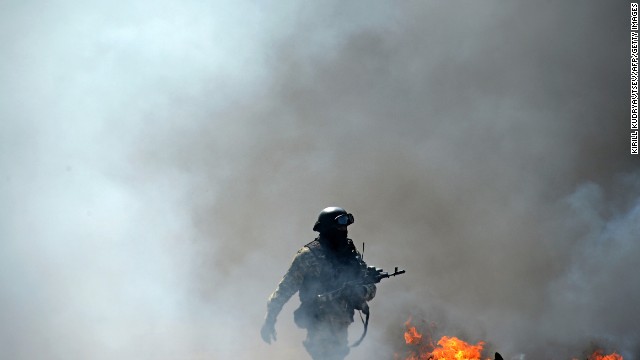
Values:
[(162, 163)]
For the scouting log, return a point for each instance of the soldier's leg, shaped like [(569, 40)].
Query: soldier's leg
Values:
[(327, 340)]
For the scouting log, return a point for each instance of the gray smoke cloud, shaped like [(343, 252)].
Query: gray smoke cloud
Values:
[(163, 162)]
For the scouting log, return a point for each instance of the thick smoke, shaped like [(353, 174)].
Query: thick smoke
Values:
[(162, 163)]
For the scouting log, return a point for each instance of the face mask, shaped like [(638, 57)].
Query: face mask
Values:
[(337, 238), (336, 233)]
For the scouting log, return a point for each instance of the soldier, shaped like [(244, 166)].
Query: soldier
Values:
[(323, 265)]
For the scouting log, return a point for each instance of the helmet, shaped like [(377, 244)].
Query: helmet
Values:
[(332, 216)]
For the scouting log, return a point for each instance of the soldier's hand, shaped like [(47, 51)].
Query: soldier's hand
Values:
[(268, 332)]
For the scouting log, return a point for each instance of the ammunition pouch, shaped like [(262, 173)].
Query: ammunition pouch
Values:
[(306, 315)]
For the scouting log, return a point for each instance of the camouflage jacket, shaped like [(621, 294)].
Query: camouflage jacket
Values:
[(315, 270)]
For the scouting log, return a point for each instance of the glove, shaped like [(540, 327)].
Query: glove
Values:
[(268, 331)]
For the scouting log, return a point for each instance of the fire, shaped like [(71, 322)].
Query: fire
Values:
[(412, 336), (597, 355), (452, 348), (449, 348)]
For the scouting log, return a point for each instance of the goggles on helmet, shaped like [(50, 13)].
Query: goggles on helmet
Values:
[(344, 219)]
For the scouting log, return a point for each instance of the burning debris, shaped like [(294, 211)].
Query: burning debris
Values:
[(598, 355), (422, 347), (454, 348)]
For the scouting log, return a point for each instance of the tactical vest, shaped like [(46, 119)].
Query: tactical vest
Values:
[(334, 270)]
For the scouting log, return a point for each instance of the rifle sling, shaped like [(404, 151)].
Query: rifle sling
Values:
[(364, 333)]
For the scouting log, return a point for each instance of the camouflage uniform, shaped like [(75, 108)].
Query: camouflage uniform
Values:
[(317, 269)]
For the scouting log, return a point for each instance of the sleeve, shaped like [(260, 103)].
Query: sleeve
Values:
[(370, 292), (370, 289), (289, 285)]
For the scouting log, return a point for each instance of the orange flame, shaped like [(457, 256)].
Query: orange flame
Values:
[(452, 348), (420, 345), (597, 355), (412, 336), (449, 348)]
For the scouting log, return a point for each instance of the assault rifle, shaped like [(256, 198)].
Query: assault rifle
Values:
[(372, 275)]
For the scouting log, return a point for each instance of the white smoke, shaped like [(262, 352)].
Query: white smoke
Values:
[(162, 162)]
